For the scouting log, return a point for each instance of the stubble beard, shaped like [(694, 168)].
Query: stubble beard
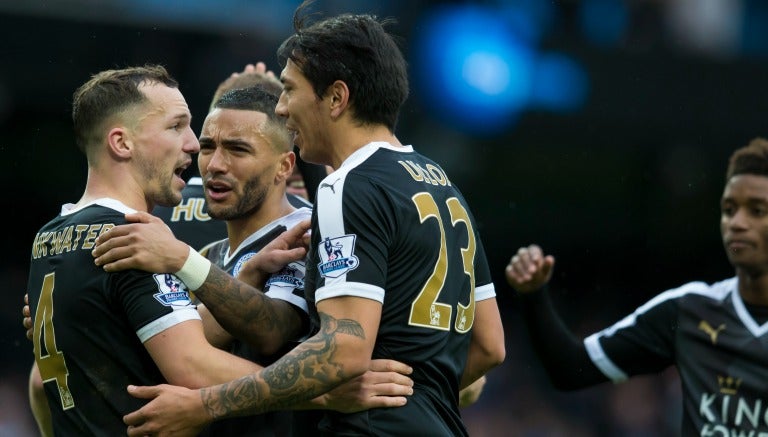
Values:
[(162, 193), (250, 202)]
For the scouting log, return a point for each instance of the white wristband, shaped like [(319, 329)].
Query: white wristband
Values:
[(194, 271)]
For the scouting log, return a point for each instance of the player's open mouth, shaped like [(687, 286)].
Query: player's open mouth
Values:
[(217, 189), (180, 169)]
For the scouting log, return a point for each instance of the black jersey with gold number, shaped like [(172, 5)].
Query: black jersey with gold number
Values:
[(389, 225), (718, 346), (90, 324)]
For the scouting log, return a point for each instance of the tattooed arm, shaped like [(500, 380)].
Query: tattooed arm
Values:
[(340, 351), (248, 314), (242, 310)]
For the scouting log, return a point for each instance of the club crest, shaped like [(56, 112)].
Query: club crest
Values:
[(241, 261), (171, 291), (337, 256)]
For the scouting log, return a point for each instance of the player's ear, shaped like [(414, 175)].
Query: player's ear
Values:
[(119, 142), (338, 98), (285, 166)]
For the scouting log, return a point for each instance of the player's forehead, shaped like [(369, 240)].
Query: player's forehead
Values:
[(746, 187), (164, 101), (292, 74), (224, 120)]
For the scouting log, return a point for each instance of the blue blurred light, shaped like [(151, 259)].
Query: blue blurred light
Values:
[(474, 72), (529, 19), (561, 83), (604, 22), (755, 29)]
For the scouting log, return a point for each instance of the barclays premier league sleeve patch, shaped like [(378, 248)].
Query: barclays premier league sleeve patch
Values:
[(337, 256), (171, 291)]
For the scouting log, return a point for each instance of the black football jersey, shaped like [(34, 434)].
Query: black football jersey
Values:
[(288, 285), (719, 349), (389, 225), (90, 324)]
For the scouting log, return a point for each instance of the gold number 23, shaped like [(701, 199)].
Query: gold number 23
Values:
[(426, 311)]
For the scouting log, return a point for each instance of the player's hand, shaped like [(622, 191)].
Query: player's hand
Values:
[(259, 68), (471, 393), (172, 411), (529, 270), (26, 313), (289, 246), (147, 243), (385, 384)]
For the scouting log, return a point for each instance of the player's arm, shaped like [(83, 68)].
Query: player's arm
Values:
[(242, 310), (564, 357), (214, 333), (385, 384), (186, 358), (339, 352), (271, 320), (38, 402), (486, 348), (471, 393)]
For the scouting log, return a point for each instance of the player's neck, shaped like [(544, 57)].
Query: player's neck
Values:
[(351, 139), (101, 184), (753, 289), (272, 209)]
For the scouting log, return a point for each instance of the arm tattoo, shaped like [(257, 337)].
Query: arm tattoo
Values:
[(309, 370), (246, 312)]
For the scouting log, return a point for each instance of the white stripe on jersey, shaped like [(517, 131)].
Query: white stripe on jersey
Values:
[(288, 221), (173, 318), (328, 203), (484, 292)]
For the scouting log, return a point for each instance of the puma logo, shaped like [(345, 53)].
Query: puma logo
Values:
[(325, 185), (712, 332)]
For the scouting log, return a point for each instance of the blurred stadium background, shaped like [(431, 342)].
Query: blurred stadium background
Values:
[(597, 128)]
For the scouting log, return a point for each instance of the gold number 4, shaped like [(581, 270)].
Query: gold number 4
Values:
[(51, 362), (426, 311)]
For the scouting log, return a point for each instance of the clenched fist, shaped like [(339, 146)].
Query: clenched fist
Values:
[(529, 270)]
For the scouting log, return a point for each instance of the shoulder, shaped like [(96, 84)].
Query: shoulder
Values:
[(298, 201), (101, 210), (717, 291), (211, 249)]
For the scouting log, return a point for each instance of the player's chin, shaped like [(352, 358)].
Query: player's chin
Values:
[(746, 263)]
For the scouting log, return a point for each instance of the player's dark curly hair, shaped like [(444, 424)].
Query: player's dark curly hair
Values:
[(750, 159), (357, 50)]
